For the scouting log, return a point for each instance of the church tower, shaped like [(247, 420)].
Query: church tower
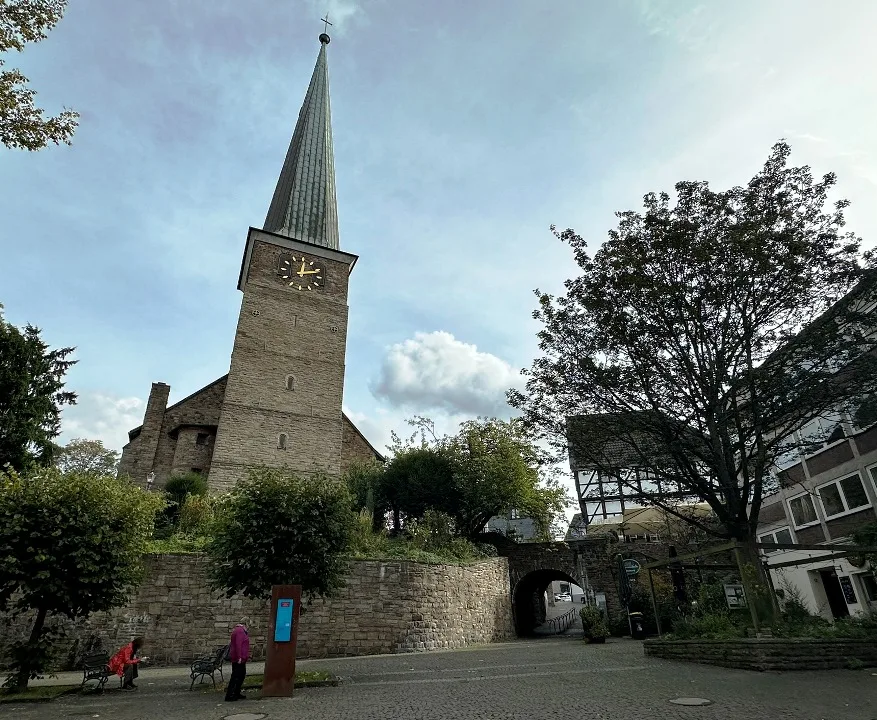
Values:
[(282, 403)]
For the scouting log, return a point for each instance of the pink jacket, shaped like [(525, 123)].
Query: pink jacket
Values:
[(239, 647)]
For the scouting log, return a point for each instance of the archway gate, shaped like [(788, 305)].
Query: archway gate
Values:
[(586, 562)]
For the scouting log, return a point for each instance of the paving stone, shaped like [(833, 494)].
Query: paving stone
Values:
[(523, 680)]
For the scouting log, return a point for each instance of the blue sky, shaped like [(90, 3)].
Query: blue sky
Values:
[(462, 131)]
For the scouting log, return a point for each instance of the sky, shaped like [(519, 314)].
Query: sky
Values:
[(462, 132)]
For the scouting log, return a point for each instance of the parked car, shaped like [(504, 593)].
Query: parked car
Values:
[(563, 597)]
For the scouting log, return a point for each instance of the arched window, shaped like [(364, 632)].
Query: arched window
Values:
[(281, 441), (290, 382)]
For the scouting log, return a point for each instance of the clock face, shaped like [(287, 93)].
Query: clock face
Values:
[(301, 273)]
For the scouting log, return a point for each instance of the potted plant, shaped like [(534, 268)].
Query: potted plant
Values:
[(594, 627)]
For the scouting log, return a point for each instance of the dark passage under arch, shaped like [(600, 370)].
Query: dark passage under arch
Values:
[(528, 599)]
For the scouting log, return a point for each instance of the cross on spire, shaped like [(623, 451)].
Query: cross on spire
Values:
[(326, 23)]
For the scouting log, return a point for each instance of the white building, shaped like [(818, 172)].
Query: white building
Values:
[(824, 497), (828, 489)]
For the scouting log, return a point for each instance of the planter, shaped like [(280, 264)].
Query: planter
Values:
[(769, 653)]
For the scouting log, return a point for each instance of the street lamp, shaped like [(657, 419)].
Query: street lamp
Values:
[(150, 479)]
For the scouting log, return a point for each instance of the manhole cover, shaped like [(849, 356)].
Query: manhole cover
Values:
[(690, 701), (245, 716)]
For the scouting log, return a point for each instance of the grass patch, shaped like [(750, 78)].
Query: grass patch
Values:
[(177, 544), (40, 693), (303, 678)]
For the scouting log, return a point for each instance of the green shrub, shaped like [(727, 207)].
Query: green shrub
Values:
[(794, 606), (275, 528), (430, 540), (196, 515), (710, 626), (594, 625), (71, 545), (176, 490)]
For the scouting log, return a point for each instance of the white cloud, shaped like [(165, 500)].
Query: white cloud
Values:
[(102, 417), (435, 371)]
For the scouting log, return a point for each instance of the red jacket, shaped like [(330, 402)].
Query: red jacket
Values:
[(123, 657), (239, 646)]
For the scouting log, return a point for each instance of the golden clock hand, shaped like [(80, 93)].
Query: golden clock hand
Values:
[(309, 272), (301, 272)]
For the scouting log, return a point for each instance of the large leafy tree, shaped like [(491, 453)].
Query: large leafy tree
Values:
[(71, 545), (275, 528), (703, 333), (86, 456), (22, 123), (31, 396), (488, 468)]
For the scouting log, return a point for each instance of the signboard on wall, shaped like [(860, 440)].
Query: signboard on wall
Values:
[(847, 586), (735, 596), (631, 567)]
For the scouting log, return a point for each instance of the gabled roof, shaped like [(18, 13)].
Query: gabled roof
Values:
[(304, 206), (371, 447), (136, 431)]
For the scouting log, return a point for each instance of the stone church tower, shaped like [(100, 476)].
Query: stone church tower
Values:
[(280, 404)]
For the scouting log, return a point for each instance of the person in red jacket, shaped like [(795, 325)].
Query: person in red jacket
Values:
[(124, 663), (238, 653)]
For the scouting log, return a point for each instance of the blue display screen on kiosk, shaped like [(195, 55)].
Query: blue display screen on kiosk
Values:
[(283, 624)]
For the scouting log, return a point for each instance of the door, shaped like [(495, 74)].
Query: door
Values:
[(834, 593)]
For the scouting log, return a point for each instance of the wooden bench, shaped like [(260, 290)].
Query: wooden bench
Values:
[(208, 665)]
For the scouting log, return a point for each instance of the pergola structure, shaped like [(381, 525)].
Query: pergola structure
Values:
[(829, 552)]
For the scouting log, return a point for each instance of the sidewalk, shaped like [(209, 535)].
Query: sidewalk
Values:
[(165, 675)]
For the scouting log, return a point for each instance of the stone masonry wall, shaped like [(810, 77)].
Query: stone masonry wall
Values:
[(284, 332), (768, 653), (385, 607), (354, 447), (155, 449)]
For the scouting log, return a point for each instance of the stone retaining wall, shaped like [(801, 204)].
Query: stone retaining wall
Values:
[(769, 653), (384, 607)]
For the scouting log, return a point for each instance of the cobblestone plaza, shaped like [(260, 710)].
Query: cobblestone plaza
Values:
[(552, 678)]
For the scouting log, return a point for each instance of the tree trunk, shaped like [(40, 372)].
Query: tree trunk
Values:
[(759, 589), (24, 671)]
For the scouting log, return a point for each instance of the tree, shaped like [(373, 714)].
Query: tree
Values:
[(418, 479), (489, 468), (22, 124), (706, 332), (499, 471), (363, 480), (176, 490), (277, 529), (70, 545), (179, 486), (31, 395), (86, 457)]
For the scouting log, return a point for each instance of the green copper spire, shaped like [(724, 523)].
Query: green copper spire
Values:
[(304, 205)]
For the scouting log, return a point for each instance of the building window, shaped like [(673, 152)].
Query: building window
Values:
[(201, 439), (199, 471), (782, 536), (869, 585), (843, 496), (803, 511), (281, 441), (290, 382), (514, 514)]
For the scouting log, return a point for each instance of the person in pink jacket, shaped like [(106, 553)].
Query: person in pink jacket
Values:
[(238, 653)]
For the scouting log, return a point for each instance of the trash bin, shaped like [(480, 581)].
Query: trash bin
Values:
[(637, 631)]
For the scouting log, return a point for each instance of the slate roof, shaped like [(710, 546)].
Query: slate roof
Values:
[(304, 206)]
